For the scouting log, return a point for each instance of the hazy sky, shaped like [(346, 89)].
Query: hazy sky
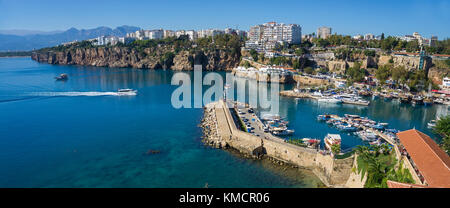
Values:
[(393, 17)]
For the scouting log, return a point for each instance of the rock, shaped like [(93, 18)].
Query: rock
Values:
[(151, 58), (152, 152)]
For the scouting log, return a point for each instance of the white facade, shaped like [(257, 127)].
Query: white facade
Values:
[(323, 32), (169, 33), (269, 35), (446, 83), (369, 36), (421, 40), (358, 37)]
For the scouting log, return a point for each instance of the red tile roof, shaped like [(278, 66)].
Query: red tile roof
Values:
[(431, 161), (394, 184)]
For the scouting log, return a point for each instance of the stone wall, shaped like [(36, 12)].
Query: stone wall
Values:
[(408, 62), (310, 81), (333, 172)]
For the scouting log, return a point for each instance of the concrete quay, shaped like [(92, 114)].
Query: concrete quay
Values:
[(223, 132)]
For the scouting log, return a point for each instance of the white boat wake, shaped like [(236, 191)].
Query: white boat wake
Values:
[(73, 94)]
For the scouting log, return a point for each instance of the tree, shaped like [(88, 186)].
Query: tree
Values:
[(383, 73), (308, 70), (443, 128), (399, 74), (246, 64), (254, 54), (355, 73), (336, 148)]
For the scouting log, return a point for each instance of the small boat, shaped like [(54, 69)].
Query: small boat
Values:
[(417, 100), (286, 132), (439, 101), (375, 95), (323, 117), (405, 99), (330, 100), (378, 127), (428, 102), (431, 124), (127, 92), (62, 77), (347, 128), (367, 135)]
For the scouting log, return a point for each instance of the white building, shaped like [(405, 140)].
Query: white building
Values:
[(156, 34), (102, 40), (271, 34), (446, 83), (209, 33), (369, 36), (323, 32), (169, 33), (358, 37), (421, 40)]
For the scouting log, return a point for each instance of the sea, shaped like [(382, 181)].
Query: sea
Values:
[(81, 133)]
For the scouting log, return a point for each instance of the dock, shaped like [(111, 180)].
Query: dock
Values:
[(223, 131)]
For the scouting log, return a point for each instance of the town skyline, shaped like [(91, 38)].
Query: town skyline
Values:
[(425, 17)]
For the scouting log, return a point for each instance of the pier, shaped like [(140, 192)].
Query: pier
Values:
[(218, 119), (292, 93)]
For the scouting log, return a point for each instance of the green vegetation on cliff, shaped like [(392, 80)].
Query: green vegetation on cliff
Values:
[(389, 43), (379, 164), (15, 53), (443, 128)]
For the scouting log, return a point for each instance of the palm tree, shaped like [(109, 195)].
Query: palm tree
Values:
[(443, 128)]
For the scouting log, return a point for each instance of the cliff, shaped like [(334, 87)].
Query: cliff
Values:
[(148, 58)]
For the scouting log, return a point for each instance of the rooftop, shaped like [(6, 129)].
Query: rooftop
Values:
[(432, 162), (394, 184)]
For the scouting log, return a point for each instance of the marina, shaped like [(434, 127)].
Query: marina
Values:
[(99, 118)]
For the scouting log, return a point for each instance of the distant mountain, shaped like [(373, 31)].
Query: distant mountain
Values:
[(10, 42), (28, 32)]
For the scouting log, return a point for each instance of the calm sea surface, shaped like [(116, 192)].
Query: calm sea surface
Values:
[(73, 134)]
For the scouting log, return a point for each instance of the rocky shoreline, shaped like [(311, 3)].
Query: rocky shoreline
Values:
[(123, 57), (212, 137)]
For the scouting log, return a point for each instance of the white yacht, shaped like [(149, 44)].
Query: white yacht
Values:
[(129, 92), (329, 100)]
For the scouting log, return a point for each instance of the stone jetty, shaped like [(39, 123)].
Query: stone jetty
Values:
[(221, 131)]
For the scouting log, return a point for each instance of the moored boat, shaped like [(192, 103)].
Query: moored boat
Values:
[(329, 100)]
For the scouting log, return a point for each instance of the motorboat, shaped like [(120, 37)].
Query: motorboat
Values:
[(417, 100), (431, 124), (367, 135), (129, 92), (62, 77), (286, 132), (428, 101)]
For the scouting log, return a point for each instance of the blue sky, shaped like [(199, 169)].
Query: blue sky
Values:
[(393, 17)]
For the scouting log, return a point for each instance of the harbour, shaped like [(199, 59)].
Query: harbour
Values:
[(101, 154)]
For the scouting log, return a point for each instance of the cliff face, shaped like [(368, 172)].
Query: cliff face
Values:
[(150, 58)]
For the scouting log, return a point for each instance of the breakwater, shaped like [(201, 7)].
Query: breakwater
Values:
[(222, 132)]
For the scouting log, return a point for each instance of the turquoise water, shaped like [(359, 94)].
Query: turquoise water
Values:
[(101, 141), (49, 139)]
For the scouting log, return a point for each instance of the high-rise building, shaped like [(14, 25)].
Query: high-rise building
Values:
[(169, 33), (433, 41), (369, 36), (269, 35), (323, 32)]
